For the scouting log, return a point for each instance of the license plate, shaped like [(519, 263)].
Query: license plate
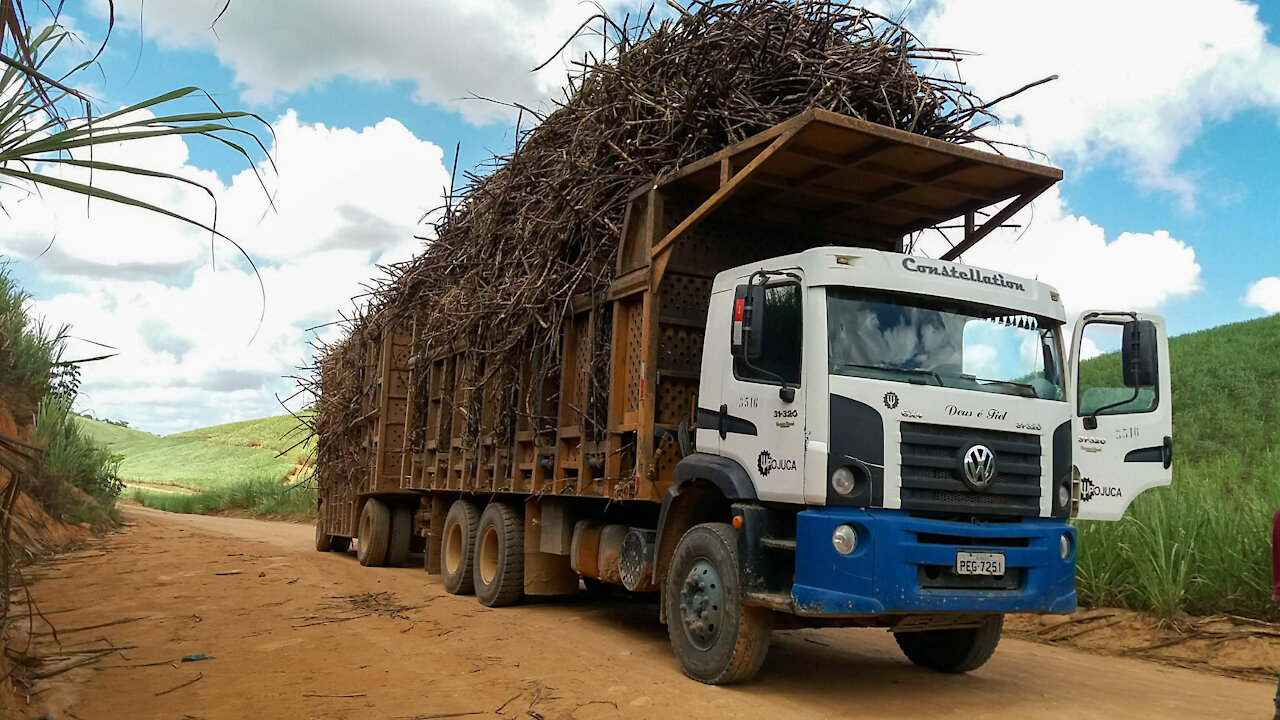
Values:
[(979, 563)]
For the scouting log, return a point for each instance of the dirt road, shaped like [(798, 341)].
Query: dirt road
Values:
[(297, 634)]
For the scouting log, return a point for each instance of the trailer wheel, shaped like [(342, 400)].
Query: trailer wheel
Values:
[(457, 545), (499, 556), (717, 639), (324, 541), (952, 651), (401, 535), (375, 530)]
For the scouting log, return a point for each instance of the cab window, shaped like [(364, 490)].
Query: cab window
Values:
[(1102, 389), (781, 339)]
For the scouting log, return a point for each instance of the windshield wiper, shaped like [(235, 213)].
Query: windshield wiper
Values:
[(891, 368), (1025, 386)]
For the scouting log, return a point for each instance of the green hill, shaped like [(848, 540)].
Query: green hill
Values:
[(232, 466), (108, 434), (280, 434), (1202, 545)]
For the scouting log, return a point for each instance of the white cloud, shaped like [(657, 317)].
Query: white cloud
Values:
[(1264, 294), (1138, 80), (1134, 271), (449, 50), (346, 200)]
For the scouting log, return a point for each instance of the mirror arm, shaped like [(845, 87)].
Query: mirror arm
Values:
[(746, 360)]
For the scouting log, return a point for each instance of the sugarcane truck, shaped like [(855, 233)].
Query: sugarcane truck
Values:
[(775, 415)]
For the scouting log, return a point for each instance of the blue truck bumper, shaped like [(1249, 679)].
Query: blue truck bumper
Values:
[(904, 564)]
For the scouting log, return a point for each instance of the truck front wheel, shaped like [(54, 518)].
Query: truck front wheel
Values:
[(953, 651), (717, 639)]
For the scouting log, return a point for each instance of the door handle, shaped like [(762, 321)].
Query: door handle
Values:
[(1166, 452), (723, 422)]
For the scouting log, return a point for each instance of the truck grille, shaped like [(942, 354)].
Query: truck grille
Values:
[(930, 457)]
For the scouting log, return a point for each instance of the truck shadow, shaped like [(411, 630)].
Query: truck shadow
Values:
[(841, 666)]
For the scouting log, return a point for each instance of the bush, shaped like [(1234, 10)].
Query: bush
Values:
[(28, 350), (72, 457)]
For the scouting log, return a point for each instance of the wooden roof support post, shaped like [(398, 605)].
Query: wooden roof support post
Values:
[(661, 251), (973, 235)]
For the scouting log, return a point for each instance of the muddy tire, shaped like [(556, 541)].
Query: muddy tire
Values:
[(952, 651), (717, 639), (401, 535), (457, 546), (499, 557), (374, 532)]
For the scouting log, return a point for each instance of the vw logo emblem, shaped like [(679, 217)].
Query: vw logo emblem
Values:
[(978, 466)]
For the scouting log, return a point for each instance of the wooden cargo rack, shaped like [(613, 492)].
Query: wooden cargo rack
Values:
[(613, 432)]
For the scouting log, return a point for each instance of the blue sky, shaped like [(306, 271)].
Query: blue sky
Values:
[(1166, 120)]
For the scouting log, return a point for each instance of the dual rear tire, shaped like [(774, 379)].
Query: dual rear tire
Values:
[(483, 552), (384, 535)]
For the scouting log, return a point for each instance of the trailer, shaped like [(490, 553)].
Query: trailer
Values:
[(774, 414)]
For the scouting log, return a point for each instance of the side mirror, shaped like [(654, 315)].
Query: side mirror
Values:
[(1138, 354), (748, 321)]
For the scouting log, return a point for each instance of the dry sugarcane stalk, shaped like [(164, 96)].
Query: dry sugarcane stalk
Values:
[(542, 225)]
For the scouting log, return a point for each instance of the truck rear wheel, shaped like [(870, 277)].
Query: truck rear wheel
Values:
[(401, 535), (375, 530), (952, 651), (499, 556), (717, 639), (457, 546)]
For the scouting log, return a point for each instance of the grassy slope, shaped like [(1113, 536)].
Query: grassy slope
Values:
[(190, 460), (1203, 545), (280, 433), (235, 466), (109, 434)]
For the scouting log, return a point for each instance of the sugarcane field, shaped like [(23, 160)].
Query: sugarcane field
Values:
[(629, 359)]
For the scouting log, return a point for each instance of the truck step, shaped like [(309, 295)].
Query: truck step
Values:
[(773, 600), (779, 543)]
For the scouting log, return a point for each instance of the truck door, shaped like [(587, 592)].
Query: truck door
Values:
[(766, 393), (1122, 428)]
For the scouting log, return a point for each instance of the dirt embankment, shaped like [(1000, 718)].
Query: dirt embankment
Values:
[(32, 530), (291, 633)]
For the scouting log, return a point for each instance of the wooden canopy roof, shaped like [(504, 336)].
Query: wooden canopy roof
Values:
[(840, 172)]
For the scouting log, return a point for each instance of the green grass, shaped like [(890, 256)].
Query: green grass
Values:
[(214, 469), (1203, 545), (28, 349), (260, 497)]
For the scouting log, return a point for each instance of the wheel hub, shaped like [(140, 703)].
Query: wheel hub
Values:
[(702, 604)]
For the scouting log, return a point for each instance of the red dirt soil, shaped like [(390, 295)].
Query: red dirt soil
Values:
[(299, 634)]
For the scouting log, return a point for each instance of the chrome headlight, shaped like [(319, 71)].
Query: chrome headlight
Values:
[(843, 481), (844, 539)]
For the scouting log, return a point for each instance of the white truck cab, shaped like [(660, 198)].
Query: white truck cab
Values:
[(881, 380)]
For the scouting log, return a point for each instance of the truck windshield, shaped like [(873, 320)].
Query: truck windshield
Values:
[(968, 347)]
